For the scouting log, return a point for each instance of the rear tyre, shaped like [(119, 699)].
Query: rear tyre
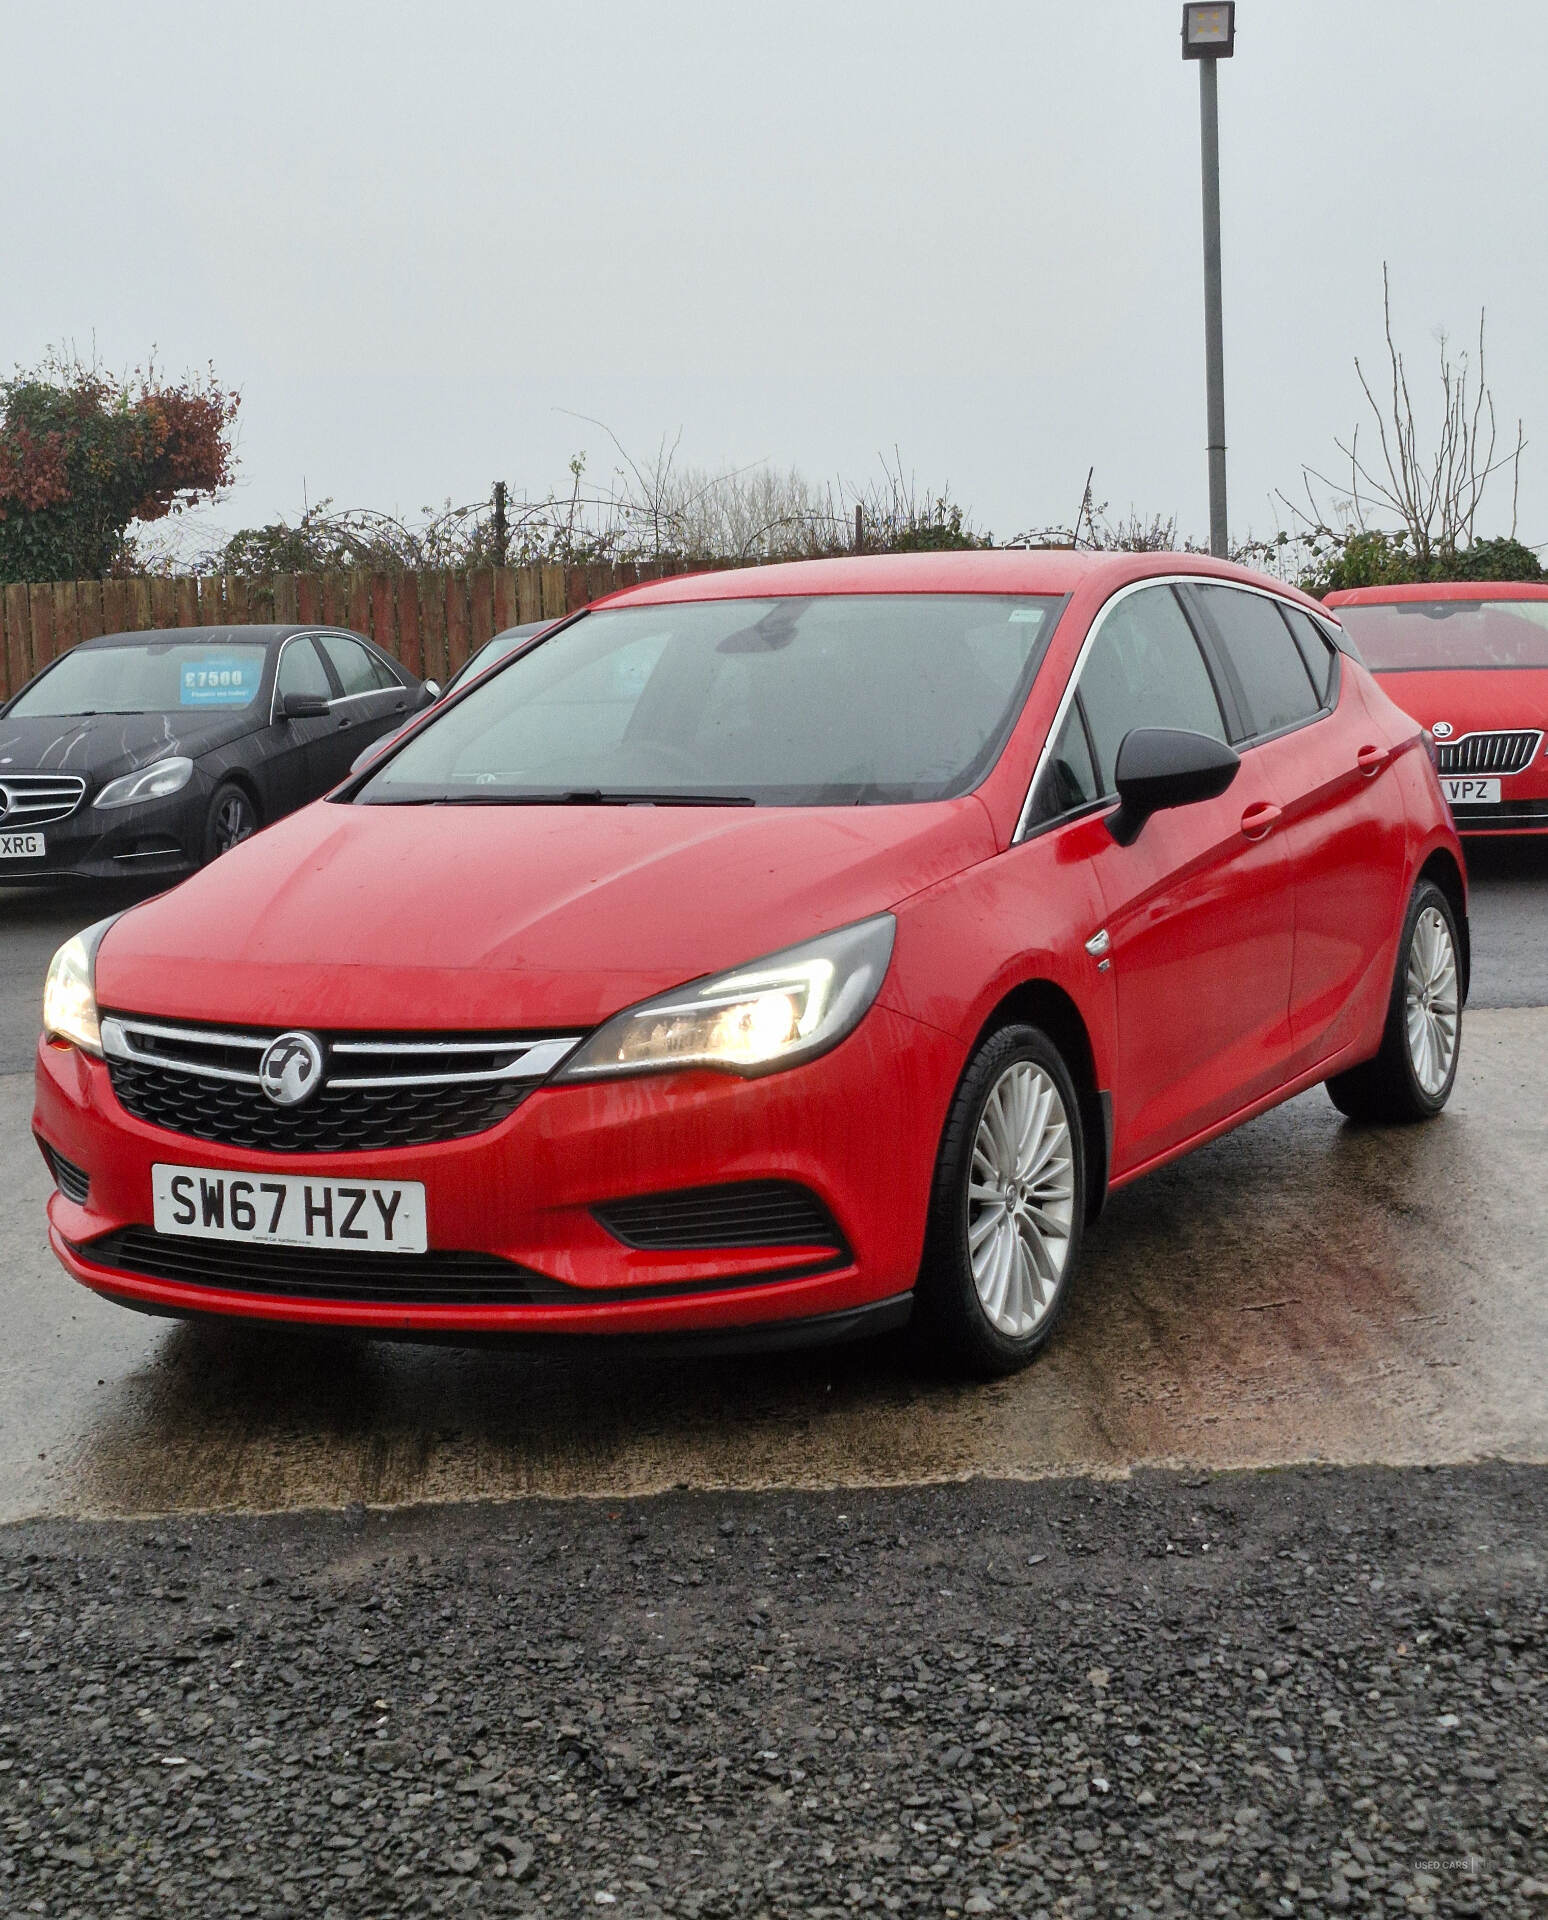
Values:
[(1412, 1076), (232, 818), (1006, 1210)]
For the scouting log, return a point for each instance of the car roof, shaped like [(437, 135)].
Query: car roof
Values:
[(268, 635), (1012, 570), (1440, 590)]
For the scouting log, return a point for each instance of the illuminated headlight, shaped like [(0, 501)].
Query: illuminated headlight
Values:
[(770, 1014), (155, 782), (70, 991)]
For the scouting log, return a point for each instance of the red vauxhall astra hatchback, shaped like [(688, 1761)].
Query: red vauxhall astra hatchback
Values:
[(1470, 661), (769, 956)]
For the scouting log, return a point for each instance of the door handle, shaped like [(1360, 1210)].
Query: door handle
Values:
[(1371, 760), (1258, 818)]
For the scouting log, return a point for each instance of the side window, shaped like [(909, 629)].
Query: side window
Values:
[(1068, 780), (1317, 650), (1145, 670), (302, 671), (1275, 684), (358, 671)]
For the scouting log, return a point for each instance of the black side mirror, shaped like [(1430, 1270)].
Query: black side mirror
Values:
[(304, 706), (1162, 767)]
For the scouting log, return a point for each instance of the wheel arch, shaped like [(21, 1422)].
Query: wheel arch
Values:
[(240, 777), (1043, 1004), (1442, 868)]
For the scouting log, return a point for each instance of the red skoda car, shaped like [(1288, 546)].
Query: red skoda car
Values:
[(771, 956), (1470, 662)]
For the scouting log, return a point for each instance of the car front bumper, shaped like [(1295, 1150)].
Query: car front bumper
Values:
[(857, 1128), (155, 839)]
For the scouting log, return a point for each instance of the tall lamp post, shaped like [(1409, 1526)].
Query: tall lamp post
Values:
[(1209, 35)]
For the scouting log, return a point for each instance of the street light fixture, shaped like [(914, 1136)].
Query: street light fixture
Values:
[(1208, 35)]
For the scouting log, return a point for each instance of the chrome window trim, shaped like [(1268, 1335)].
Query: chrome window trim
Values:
[(380, 653), (308, 633), (1324, 707), (1066, 700)]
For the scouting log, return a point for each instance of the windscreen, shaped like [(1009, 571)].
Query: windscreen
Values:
[(162, 676), (491, 652), (1415, 636), (819, 700)]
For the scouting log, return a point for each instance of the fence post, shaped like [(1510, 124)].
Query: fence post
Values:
[(18, 637)]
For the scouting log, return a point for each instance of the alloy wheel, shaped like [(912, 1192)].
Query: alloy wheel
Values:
[(1433, 1006), (234, 822), (1021, 1199)]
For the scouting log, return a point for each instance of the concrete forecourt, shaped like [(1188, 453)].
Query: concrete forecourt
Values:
[(741, 1655)]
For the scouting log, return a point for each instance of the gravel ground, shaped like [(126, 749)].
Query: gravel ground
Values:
[(1305, 1692)]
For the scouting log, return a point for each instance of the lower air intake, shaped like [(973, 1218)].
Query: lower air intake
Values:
[(746, 1213), (72, 1181)]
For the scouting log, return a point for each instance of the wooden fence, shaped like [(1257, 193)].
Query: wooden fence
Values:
[(430, 621)]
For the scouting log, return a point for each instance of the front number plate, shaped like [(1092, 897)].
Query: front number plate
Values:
[(1472, 793), (282, 1210), (21, 846)]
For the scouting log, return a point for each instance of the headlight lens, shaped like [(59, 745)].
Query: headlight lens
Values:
[(70, 991), (154, 782), (770, 1014)]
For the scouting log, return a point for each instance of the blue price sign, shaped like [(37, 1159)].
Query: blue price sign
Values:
[(220, 682)]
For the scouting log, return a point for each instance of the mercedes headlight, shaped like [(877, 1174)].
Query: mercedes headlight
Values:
[(772, 1013), (70, 991), (155, 782)]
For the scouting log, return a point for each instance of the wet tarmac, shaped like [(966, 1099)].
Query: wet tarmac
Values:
[(1301, 1290)]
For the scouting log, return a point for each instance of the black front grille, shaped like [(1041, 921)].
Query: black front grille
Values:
[(746, 1213), (305, 1273), (334, 1120), (72, 1181), (1487, 752), (370, 1091)]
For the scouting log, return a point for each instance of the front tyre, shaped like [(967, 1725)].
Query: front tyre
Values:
[(1412, 1076), (1006, 1210), (232, 818)]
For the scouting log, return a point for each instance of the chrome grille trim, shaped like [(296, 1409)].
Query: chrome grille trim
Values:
[(33, 799), (1502, 752), (507, 1059)]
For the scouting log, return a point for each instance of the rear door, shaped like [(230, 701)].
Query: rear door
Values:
[(372, 698), (1198, 924), (1342, 821)]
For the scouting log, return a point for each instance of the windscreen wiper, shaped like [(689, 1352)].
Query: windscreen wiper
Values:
[(592, 797)]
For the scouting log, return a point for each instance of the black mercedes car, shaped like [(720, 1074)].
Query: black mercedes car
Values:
[(151, 753)]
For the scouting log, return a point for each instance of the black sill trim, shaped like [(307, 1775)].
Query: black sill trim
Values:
[(777, 1336)]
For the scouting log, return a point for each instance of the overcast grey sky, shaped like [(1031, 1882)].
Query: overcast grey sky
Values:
[(415, 235)]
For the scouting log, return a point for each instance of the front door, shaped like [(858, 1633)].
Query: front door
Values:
[(295, 765), (1199, 916)]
